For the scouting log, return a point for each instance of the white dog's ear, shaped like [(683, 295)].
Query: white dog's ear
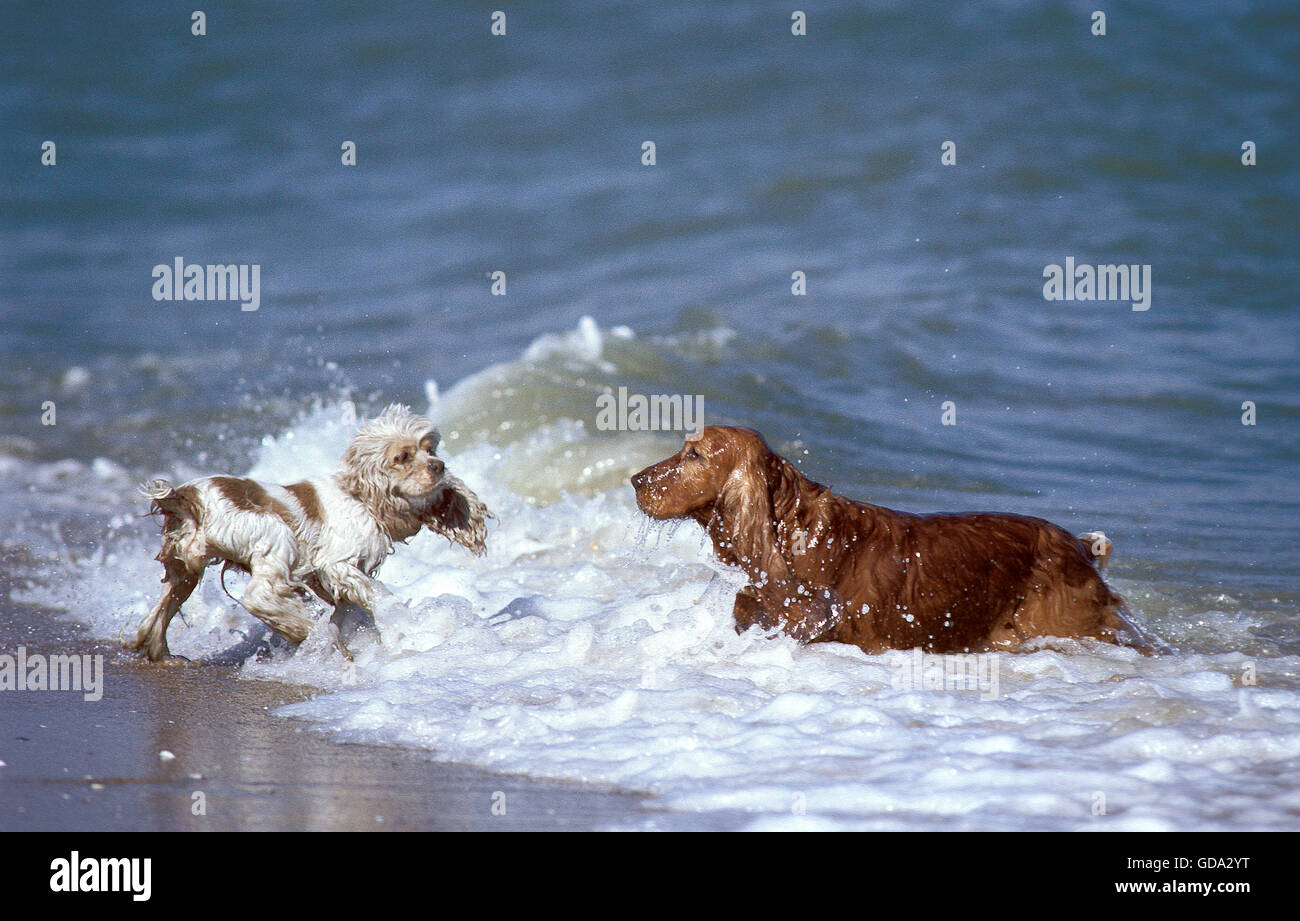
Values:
[(459, 515)]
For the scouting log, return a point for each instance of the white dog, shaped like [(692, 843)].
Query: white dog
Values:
[(326, 535)]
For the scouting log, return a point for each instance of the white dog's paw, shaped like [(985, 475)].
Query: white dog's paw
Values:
[(391, 610), (392, 619), (324, 643)]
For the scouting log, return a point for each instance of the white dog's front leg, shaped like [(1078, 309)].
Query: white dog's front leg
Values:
[(354, 589), (388, 609), (348, 584)]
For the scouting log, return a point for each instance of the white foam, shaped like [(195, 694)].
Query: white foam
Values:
[(590, 646)]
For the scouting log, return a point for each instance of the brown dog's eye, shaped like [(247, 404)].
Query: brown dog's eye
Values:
[(692, 453)]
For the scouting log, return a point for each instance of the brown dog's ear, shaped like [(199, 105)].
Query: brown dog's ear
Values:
[(459, 515), (746, 504)]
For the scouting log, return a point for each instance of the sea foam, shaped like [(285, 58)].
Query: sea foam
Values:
[(591, 645)]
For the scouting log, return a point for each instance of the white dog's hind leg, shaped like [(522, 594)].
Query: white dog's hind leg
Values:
[(182, 558), (152, 634)]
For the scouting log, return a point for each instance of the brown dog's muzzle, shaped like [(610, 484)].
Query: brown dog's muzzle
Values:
[(641, 482)]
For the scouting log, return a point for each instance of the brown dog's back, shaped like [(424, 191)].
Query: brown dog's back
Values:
[(960, 582)]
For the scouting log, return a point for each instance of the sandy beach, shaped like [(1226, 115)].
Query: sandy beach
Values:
[(76, 765)]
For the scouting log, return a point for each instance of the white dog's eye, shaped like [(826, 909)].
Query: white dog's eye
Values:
[(402, 458)]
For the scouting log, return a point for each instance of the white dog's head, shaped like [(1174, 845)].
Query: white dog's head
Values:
[(391, 467)]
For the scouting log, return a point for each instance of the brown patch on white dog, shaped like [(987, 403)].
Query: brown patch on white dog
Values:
[(308, 500)]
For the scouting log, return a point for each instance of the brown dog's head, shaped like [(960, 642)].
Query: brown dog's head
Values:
[(731, 482), (716, 464)]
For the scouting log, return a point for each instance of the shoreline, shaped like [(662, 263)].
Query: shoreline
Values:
[(75, 765)]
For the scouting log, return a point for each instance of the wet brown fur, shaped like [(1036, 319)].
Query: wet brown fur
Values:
[(826, 568)]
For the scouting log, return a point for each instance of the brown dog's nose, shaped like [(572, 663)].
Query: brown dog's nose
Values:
[(639, 480)]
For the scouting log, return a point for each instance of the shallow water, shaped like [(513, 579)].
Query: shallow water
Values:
[(589, 644)]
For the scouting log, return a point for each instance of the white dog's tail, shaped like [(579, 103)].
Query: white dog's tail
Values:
[(156, 489), (166, 499)]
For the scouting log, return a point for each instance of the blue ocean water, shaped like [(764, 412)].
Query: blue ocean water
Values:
[(775, 154)]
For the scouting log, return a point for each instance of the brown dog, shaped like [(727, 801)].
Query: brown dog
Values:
[(826, 568)]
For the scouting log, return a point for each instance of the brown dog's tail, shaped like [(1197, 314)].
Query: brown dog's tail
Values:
[(1098, 547)]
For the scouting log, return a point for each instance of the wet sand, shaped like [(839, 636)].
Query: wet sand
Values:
[(77, 765)]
